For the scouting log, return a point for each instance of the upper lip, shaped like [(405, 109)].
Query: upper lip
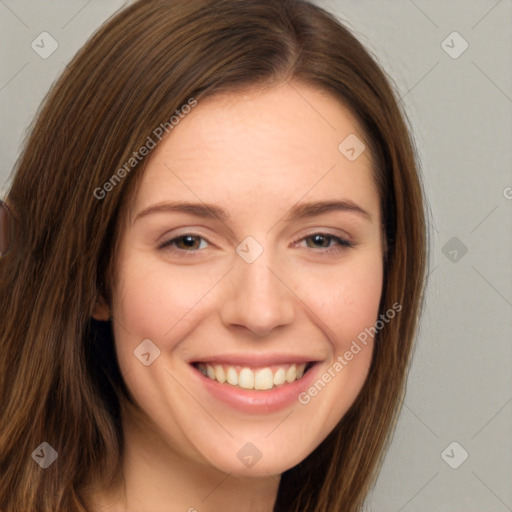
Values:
[(254, 360)]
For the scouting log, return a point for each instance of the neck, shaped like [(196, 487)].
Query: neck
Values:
[(158, 478)]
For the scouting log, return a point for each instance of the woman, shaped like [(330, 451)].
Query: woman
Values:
[(261, 370)]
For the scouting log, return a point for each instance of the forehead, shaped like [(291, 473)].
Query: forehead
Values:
[(250, 147)]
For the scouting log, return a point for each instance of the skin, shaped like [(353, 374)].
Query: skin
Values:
[(255, 154)]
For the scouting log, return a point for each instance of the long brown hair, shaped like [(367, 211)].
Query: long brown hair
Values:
[(59, 379)]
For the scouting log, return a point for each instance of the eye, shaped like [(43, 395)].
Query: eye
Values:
[(323, 240), (185, 243), (188, 243)]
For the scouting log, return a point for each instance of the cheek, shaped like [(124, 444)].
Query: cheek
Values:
[(154, 299), (345, 296), (347, 304), (161, 302), (158, 301)]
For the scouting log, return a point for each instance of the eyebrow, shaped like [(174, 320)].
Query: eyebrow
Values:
[(297, 212)]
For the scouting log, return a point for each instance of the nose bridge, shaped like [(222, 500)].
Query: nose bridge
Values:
[(257, 279), (258, 299), (254, 260)]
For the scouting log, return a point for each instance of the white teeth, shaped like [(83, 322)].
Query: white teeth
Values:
[(232, 376), (263, 379), (247, 378), (279, 377), (220, 374), (291, 373)]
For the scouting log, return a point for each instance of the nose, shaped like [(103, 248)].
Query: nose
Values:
[(259, 298)]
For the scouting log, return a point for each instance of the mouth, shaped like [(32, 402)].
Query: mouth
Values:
[(262, 378), (254, 384)]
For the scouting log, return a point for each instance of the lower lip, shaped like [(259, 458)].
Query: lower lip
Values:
[(257, 402)]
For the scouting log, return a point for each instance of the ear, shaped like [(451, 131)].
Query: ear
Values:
[(101, 309)]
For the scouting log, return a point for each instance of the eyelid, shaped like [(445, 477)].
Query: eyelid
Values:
[(327, 232), (196, 231), (342, 242), (179, 232)]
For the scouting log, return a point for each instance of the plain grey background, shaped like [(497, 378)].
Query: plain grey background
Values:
[(459, 103)]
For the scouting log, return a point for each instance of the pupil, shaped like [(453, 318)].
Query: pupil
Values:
[(189, 240), (319, 238)]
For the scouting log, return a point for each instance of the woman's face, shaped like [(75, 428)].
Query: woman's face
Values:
[(229, 267)]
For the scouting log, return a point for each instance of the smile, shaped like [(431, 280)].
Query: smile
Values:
[(262, 378)]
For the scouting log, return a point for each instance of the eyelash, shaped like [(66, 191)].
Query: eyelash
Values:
[(342, 244)]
